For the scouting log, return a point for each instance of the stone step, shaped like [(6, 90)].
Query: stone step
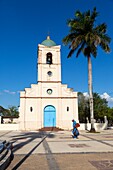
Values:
[(50, 129), (3, 154), (6, 154), (4, 163), (2, 145)]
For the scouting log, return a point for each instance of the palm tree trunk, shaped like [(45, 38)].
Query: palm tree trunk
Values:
[(90, 93)]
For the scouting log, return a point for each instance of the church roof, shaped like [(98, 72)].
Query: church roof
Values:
[(48, 42)]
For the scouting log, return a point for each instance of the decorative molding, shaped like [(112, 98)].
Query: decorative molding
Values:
[(49, 97), (49, 81), (49, 64)]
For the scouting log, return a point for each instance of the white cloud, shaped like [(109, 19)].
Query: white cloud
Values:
[(107, 97), (103, 96), (9, 92), (86, 94)]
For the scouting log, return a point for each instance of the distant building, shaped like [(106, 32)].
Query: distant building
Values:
[(49, 103)]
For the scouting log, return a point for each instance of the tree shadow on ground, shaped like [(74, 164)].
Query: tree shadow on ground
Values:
[(28, 137)]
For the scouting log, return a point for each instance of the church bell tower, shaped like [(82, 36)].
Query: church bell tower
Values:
[(49, 63), (48, 103)]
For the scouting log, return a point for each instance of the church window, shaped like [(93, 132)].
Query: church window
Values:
[(49, 58), (49, 91), (67, 109), (49, 73), (31, 109)]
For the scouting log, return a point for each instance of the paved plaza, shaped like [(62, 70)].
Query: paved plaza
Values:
[(34, 150)]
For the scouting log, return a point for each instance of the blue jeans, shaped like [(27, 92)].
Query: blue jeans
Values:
[(75, 132)]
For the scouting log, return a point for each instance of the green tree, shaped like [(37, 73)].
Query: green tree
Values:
[(3, 111), (110, 116), (100, 107), (13, 111), (83, 107), (85, 37)]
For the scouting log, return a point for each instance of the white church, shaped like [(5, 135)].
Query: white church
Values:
[(49, 103)]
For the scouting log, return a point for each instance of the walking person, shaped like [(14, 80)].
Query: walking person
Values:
[(75, 130)]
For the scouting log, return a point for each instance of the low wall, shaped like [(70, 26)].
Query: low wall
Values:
[(8, 120), (9, 126), (83, 126), (97, 126)]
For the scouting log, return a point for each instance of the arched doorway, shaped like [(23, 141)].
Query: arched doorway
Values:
[(49, 116)]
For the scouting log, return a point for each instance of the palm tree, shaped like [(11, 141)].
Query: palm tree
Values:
[(85, 37)]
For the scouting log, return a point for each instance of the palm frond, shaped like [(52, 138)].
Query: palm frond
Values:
[(78, 14), (101, 28), (94, 51), (105, 46), (83, 30), (94, 14), (80, 49), (70, 53)]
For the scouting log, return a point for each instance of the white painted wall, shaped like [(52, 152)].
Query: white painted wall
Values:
[(37, 97), (9, 126)]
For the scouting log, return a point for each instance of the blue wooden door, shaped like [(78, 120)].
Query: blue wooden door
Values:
[(49, 116)]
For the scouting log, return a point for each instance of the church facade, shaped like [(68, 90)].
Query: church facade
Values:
[(49, 103)]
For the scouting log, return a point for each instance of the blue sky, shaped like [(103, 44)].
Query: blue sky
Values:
[(25, 23)]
